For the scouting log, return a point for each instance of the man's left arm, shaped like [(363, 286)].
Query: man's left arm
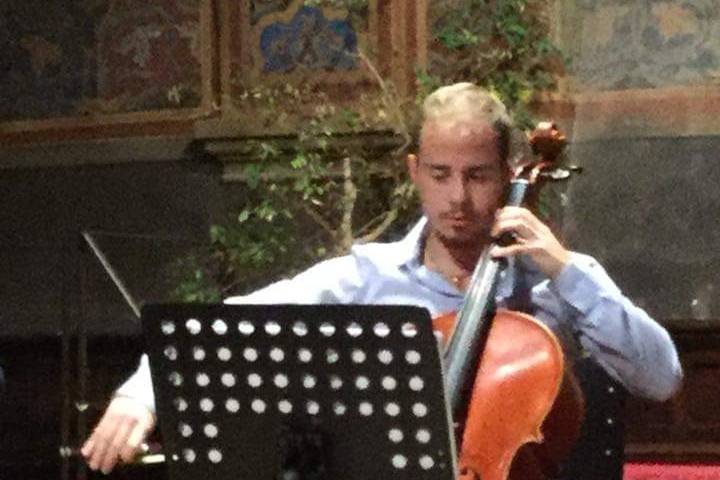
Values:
[(621, 336)]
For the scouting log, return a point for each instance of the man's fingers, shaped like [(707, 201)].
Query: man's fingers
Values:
[(515, 226), (102, 448), (132, 444), (533, 238), (117, 443), (87, 447), (119, 434), (100, 441), (510, 250)]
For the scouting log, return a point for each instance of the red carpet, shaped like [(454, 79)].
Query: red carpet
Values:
[(655, 471)]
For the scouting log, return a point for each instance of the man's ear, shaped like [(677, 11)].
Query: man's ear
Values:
[(412, 165)]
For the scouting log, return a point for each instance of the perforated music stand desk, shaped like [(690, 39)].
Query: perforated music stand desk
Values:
[(299, 392)]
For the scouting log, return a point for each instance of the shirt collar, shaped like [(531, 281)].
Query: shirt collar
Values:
[(409, 255), (410, 247)]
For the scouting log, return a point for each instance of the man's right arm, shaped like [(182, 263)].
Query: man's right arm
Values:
[(130, 417)]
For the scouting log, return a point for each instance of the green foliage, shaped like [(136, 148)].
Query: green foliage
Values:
[(503, 45), (309, 196), (241, 253)]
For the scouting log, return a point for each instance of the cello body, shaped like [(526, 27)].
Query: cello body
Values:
[(525, 411)]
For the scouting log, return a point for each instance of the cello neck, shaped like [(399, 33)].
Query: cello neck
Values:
[(466, 344)]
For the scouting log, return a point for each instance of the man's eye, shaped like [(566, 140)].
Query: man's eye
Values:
[(438, 174), (480, 176)]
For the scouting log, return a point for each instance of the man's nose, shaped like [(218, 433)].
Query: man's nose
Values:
[(458, 190)]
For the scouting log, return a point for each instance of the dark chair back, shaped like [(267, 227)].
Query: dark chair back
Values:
[(599, 452)]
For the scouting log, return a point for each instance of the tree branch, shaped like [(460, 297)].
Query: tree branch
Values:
[(317, 218), (392, 106), (390, 217), (347, 205)]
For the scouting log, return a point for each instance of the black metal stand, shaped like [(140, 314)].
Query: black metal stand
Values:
[(299, 392)]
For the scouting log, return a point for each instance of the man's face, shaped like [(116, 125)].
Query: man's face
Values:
[(461, 180)]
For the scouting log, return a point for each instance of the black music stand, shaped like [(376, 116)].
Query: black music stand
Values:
[(299, 392)]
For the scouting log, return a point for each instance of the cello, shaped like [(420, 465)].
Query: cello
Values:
[(516, 407)]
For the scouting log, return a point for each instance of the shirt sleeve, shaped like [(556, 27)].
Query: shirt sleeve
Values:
[(623, 338), (332, 281), (139, 385)]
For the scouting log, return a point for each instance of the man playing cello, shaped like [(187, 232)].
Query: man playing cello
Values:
[(461, 173)]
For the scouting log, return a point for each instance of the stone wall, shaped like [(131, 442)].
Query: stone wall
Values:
[(642, 103)]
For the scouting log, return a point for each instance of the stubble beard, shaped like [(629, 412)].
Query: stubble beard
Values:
[(475, 239)]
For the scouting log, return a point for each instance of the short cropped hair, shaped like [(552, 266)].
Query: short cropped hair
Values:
[(466, 102)]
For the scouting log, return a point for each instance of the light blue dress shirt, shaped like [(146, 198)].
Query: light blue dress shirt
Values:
[(583, 306)]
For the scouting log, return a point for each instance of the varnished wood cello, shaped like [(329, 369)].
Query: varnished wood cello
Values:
[(517, 408)]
